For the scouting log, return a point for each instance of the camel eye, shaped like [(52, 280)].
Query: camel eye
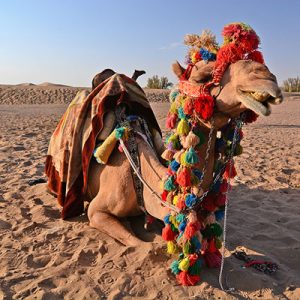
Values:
[(203, 77)]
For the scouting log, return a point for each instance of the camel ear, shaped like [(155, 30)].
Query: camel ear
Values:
[(178, 69)]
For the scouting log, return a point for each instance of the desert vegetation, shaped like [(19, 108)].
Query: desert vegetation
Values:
[(291, 85), (155, 82)]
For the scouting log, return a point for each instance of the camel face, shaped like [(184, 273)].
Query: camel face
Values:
[(248, 85), (245, 84)]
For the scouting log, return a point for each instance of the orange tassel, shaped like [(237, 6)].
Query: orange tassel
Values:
[(184, 177)]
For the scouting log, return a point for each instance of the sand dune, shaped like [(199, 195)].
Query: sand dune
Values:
[(44, 257), (46, 93)]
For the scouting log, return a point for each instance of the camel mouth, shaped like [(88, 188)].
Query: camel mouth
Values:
[(259, 102)]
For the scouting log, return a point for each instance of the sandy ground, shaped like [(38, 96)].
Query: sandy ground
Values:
[(44, 257)]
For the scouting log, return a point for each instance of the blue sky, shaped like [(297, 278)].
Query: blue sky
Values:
[(69, 41)]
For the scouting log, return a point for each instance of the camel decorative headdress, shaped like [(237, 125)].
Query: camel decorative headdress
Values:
[(194, 232)]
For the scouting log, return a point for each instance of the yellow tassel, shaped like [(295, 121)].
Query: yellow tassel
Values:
[(183, 127), (184, 264), (183, 160), (173, 221), (172, 248), (161, 185), (104, 151), (173, 108), (175, 200)]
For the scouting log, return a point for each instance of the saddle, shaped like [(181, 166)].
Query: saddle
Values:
[(86, 122)]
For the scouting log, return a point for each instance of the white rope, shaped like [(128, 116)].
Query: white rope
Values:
[(139, 175), (230, 289)]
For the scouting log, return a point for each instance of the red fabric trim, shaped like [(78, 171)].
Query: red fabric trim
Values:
[(74, 201), (55, 184)]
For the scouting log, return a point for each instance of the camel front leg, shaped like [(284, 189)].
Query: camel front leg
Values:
[(110, 225)]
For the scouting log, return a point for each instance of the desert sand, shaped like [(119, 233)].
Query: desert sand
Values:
[(44, 257)]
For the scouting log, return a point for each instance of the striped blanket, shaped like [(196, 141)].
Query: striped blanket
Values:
[(73, 141)]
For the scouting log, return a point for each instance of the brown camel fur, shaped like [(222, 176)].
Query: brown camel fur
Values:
[(246, 85)]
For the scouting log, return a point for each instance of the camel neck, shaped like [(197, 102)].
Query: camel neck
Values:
[(209, 161)]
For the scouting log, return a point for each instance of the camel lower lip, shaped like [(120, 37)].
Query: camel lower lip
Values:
[(261, 108)]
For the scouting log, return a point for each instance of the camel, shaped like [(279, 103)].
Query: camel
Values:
[(245, 85)]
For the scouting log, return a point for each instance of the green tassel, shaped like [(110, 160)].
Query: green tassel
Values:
[(120, 132), (191, 157), (174, 139), (216, 229), (175, 267), (173, 227), (169, 184), (180, 218), (195, 268), (218, 243), (200, 135), (186, 248)]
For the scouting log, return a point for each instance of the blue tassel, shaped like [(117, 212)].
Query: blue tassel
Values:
[(181, 114), (197, 173), (219, 214), (174, 165), (182, 226), (196, 243), (166, 219), (190, 200)]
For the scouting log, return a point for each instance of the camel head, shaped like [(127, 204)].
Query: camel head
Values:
[(246, 84), (234, 73)]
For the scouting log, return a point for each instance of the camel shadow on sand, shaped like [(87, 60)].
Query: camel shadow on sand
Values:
[(263, 223)]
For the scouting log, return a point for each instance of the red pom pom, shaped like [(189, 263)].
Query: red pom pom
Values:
[(188, 107), (168, 234), (164, 195), (186, 279), (170, 172), (213, 260), (192, 259), (204, 106), (171, 121), (223, 186), (256, 56), (212, 246), (241, 134), (250, 116), (184, 178), (209, 204), (221, 200), (191, 229), (232, 173)]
